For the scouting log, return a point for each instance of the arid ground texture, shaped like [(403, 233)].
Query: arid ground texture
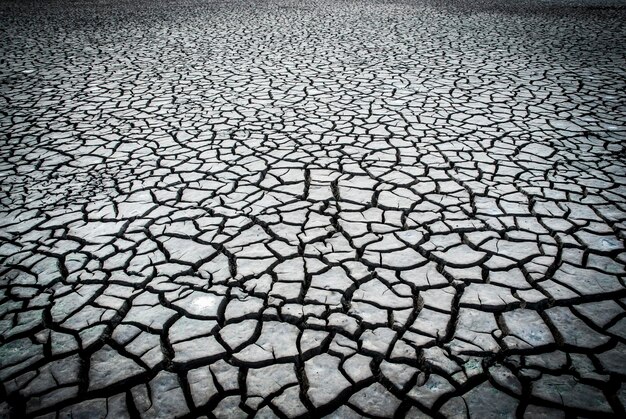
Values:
[(308, 208)]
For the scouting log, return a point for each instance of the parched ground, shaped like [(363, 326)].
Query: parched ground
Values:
[(302, 208)]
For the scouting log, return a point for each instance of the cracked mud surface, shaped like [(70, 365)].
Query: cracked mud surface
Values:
[(377, 209)]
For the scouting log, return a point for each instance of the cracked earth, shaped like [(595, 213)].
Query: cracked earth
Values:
[(291, 209)]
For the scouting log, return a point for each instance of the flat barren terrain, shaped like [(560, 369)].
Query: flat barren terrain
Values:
[(307, 208)]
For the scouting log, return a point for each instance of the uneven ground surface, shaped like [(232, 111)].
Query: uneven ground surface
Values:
[(308, 208)]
